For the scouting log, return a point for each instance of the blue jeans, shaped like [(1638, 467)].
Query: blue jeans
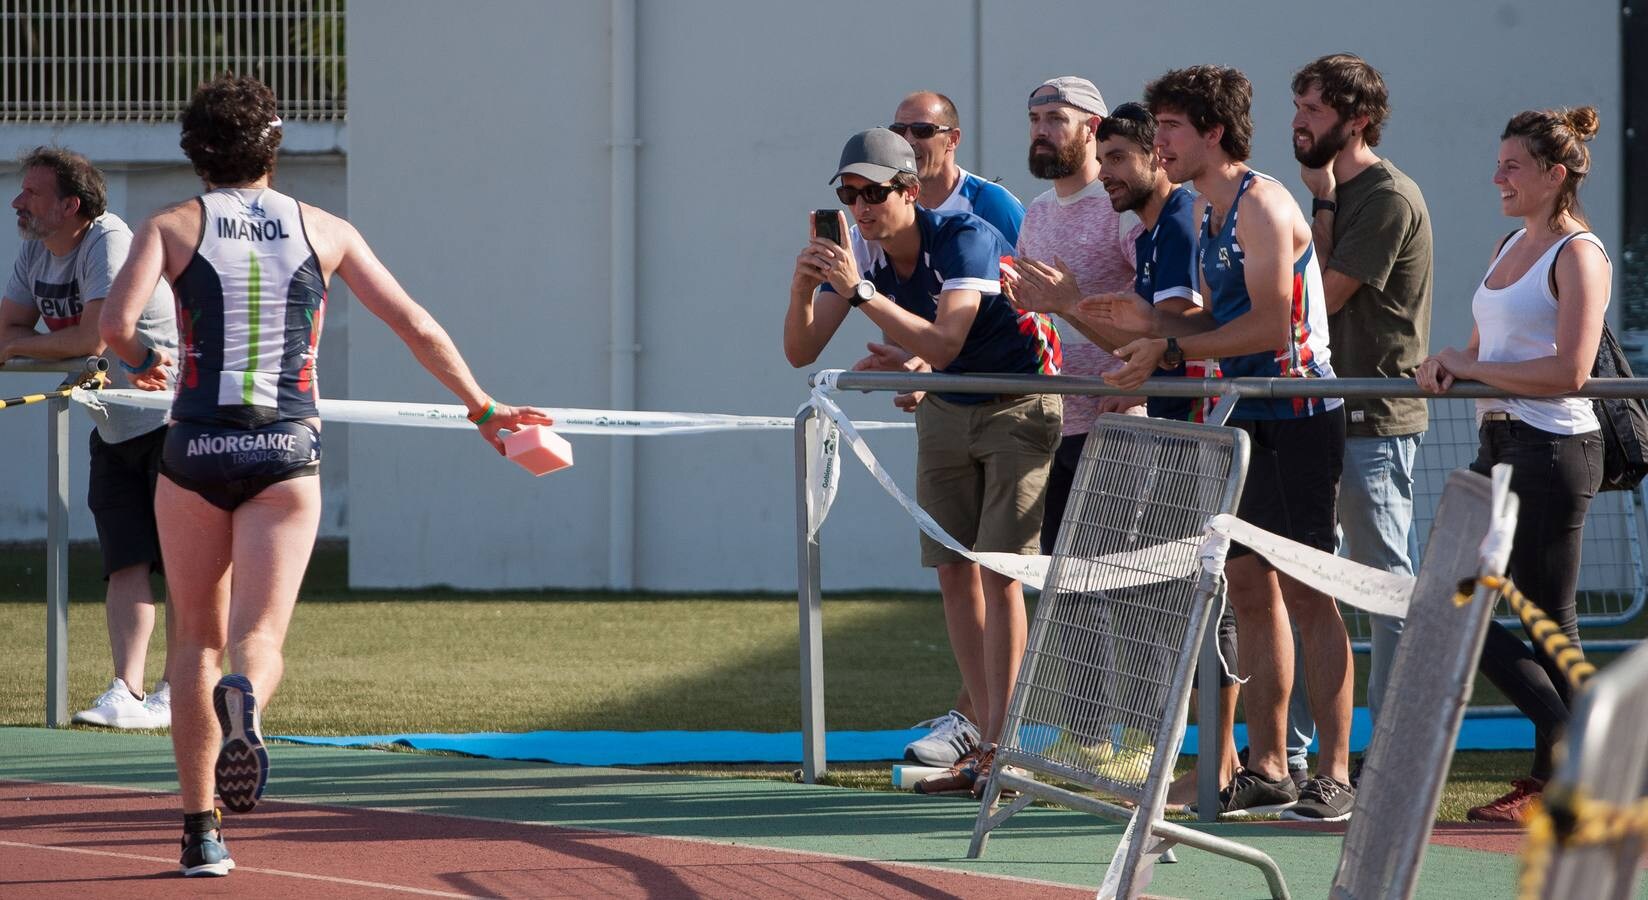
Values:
[(1376, 525)]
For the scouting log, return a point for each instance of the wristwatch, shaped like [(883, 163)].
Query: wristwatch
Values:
[(1173, 357), (1317, 204), (862, 293)]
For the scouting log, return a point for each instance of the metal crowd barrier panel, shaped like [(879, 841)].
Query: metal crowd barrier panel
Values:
[(1593, 842), (1103, 692), (1613, 584), (1407, 763), (809, 592), (57, 527)]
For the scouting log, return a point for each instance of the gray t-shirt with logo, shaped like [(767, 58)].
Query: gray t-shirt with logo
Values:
[(58, 287)]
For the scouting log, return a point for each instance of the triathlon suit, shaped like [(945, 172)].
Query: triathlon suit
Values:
[(250, 304), (1297, 444)]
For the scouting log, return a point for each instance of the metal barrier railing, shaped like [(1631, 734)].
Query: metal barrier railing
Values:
[(1613, 585), (1589, 839), (1406, 765), (140, 60), (57, 529), (1102, 695), (809, 594)]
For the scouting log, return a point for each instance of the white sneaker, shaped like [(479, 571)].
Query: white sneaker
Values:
[(159, 705), (117, 708), (951, 737)]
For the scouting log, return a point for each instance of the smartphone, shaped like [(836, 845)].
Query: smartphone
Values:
[(827, 225)]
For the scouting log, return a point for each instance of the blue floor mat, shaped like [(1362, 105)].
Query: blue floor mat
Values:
[(636, 748)]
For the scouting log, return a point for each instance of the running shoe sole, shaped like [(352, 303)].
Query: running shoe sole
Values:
[(1292, 816), (242, 764), (219, 868), (1263, 810)]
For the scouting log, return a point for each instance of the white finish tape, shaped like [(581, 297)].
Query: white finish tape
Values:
[(435, 415), (1495, 552), (1363, 587), (823, 441), (1031, 570)]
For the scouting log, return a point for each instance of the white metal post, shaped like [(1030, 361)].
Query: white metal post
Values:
[(57, 563)]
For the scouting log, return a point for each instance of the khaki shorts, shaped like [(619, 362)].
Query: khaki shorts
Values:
[(981, 472)]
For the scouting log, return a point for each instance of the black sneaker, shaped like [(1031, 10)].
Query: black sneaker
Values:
[(204, 852), (1300, 776), (1323, 800), (1251, 794)]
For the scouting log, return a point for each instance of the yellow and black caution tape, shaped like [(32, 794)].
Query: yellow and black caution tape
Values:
[(1570, 660), (88, 380), (1561, 817), (1567, 818)]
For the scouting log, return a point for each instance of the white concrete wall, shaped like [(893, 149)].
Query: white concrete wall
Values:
[(479, 172), (146, 171)]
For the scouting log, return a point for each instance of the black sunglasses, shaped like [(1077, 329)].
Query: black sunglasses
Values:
[(873, 194), (920, 130)]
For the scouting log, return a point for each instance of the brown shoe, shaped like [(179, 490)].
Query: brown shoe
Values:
[(959, 777), (981, 772), (1514, 807)]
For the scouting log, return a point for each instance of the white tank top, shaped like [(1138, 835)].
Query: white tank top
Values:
[(1517, 323)]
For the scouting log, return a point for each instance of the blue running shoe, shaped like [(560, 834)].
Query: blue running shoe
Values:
[(204, 852), (242, 763)]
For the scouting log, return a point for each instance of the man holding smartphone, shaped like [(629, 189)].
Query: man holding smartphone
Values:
[(929, 121), (932, 283)]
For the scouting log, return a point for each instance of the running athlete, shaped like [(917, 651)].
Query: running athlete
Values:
[(238, 504), (1264, 316)]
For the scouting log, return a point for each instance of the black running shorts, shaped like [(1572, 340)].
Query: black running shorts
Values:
[(228, 465)]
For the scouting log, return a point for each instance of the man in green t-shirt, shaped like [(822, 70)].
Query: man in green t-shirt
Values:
[(1373, 236)]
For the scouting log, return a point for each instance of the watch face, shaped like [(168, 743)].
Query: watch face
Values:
[(864, 290)]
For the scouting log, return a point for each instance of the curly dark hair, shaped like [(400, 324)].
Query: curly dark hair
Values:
[(1351, 87), (231, 130), (76, 177), (1208, 96)]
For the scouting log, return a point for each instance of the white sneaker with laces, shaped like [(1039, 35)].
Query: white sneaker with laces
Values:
[(117, 707), (159, 705), (951, 737)]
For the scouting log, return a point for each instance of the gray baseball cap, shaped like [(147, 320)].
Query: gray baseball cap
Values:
[(877, 154), (1071, 91)]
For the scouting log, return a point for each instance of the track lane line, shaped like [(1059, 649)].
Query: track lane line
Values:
[(352, 882)]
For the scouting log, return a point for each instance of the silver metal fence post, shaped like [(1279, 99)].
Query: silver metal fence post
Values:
[(57, 563), (1208, 733), (809, 601)]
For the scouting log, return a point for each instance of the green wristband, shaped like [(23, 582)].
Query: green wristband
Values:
[(490, 409)]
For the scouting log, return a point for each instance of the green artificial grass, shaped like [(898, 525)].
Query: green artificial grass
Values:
[(377, 662)]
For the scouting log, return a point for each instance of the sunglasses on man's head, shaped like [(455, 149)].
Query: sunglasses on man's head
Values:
[(919, 130), (873, 194)]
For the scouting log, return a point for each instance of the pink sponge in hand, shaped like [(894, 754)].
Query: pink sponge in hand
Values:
[(538, 450)]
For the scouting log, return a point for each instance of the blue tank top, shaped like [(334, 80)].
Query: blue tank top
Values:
[(250, 304), (1221, 264)]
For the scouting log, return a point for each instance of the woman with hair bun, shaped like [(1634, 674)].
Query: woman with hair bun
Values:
[(238, 503), (1539, 315)]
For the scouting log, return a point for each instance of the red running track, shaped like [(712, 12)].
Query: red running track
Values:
[(76, 841)]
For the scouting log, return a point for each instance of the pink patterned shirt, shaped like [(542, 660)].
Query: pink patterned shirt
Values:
[(1087, 233)]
